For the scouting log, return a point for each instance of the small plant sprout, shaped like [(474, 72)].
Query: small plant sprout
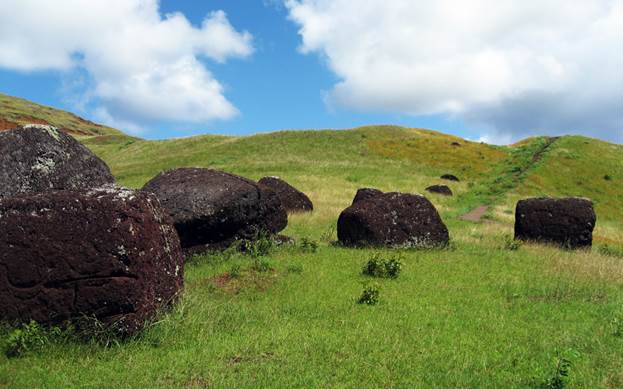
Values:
[(380, 267), (370, 294)]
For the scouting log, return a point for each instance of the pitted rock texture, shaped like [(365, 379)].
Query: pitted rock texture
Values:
[(450, 177), (211, 209), (440, 189), (366, 193), (38, 158), (291, 198), (394, 220), (568, 222), (110, 253)]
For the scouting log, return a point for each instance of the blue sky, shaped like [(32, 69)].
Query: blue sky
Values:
[(266, 65)]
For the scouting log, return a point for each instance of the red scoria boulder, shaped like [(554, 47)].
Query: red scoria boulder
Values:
[(39, 158), (567, 222), (394, 220), (211, 209), (110, 253)]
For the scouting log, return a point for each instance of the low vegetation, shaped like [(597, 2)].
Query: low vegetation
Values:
[(483, 312)]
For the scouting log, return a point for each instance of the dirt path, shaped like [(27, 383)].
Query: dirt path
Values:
[(475, 214)]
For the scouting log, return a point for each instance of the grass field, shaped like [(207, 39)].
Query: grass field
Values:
[(482, 313)]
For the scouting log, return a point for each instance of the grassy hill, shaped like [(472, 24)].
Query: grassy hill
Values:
[(15, 111), (482, 313)]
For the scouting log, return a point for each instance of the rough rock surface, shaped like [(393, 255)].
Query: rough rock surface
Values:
[(392, 219), (291, 198), (450, 177), (567, 221), (110, 253), (366, 193), (38, 158), (211, 209), (440, 189)]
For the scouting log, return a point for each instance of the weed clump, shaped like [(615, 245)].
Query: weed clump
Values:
[(610, 251), (511, 244), (309, 245), (560, 376), (380, 267), (29, 337), (370, 294)]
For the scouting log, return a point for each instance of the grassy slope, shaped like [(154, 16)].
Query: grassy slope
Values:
[(476, 315), (16, 111)]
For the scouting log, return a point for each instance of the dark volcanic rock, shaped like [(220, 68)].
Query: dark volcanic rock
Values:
[(568, 222), (210, 208), (440, 189), (392, 219), (39, 158), (291, 198), (366, 193), (110, 253), (450, 177)]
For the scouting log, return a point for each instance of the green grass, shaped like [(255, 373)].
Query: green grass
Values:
[(478, 314), (14, 110)]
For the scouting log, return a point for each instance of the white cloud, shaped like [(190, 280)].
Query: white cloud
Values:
[(514, 68), (143, 66)]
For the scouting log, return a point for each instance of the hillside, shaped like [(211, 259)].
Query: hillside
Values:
[(484, 312), (15, 111)]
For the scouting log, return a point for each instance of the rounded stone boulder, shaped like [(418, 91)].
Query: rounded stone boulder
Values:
[(440, 189), (211, 208), (291, 198), (450, 177), (393, 220), (568, 222), (366, 193), (110, 253), (38, 158)]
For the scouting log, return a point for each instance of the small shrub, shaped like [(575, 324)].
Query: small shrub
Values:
[(28, 337), (560, 377), (234, 271), (262, 265), (260, 247), (382, 268), (308, 245), (370, 295), (511, 244), (607, 177)]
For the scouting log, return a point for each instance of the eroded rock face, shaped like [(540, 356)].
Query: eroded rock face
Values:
[(392, 219), (366, 193), (38, 158), (110, 253), (291, 198), (440, 189), (450, 177), (211, 209), (568, 222)]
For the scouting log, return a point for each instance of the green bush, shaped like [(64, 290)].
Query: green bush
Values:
[(259, 247), (28, 337), (561, 375), (511, 244), (370, 294), (262, 265), (382, 268), (308, 245)]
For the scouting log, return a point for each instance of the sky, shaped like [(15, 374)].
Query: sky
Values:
[(490, 71)]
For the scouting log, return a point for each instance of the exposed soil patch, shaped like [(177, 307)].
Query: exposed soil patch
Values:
[(476, 214), (259, 281)]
